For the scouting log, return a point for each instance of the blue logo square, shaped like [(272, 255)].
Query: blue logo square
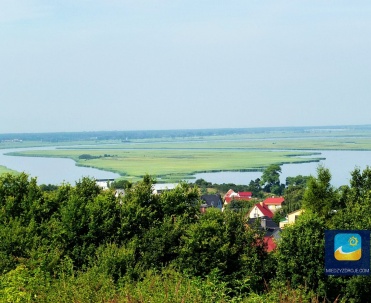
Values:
[(348, 247), (347, 252)]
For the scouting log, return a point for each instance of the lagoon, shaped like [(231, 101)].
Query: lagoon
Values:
[(59, 170), (340, 163), (51, 170)]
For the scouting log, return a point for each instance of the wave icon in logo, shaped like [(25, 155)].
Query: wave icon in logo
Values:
[(348, 247)]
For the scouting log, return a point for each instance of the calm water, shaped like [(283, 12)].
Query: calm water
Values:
[(51, 170), (58, 170), (340, 164)]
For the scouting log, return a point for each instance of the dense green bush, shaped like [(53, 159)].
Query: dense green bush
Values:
[(81, 244)]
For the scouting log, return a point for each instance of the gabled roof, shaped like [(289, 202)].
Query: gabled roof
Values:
[(264, 210), (231, 195), (245, 194), (274, 201), (163, 187), (228, 195), (272, 231), (271, 244), (299, 212), (269, 223), (212, 200)]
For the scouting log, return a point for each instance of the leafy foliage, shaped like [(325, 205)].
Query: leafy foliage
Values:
[(294, 193), (270, 179), (81, 244), (320, 197)]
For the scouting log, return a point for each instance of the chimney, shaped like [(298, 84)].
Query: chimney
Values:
[(203, 208), (263, 222)]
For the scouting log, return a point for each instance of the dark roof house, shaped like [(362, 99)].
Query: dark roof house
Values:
[(211, 201), (272, 232)]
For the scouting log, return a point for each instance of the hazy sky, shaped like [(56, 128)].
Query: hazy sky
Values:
[(80, 65)]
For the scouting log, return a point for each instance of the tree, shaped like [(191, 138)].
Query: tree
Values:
[(270, 179), (121, 184), (356, 201), (299, 180), (240, 205), (255, 188), (300, 255), (320, 197), (182, 200), (89, 218), (140, 209), (354, 213), (294, 193), (220, 241)]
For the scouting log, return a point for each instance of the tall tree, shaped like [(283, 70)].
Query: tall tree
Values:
[(320, 196), (294, 193), (270, 179), (300, 254), (220, 241)]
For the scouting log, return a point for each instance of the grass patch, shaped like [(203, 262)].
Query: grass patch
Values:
[(174, 159), (5, 170), (175, 164)]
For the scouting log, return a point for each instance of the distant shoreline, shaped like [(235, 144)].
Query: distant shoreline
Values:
[(126, 135)]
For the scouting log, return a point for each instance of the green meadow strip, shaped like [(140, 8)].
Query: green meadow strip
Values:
[(5, 170), (174, 162), (173, 159)]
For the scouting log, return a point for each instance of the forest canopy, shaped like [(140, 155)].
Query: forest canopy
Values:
[(80, 243)]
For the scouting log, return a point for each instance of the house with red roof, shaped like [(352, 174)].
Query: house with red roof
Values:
[(272, 233), (245, 194), (241, 195), (260, 210), (274, 203)]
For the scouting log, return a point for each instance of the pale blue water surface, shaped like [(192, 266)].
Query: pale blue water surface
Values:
[(51, 170), (58, 170)]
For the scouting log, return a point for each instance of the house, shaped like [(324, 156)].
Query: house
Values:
[(159, 188), (104, 183), (119, 193), (291, 218), (274, 203), (211, 201), (260, 210), (272, 232), (229, 196), (245, 195), (242, 195)]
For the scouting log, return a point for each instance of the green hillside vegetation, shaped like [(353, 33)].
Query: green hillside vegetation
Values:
[(81, 244)]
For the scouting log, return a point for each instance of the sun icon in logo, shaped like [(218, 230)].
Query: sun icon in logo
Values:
[(353, 241)]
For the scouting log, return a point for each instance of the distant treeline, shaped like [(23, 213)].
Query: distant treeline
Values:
[(153, 134)]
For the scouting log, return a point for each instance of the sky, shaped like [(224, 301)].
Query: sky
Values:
[(95, 65)]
